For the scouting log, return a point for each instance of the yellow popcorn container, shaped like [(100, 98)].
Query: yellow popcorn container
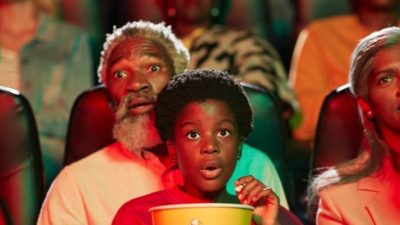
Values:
[(202, 214)]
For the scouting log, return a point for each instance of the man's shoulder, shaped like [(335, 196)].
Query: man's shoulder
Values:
[(255, 162), (95, 160), (94, 170), (254, 153)]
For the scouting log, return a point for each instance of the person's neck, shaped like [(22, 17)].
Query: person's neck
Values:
[(203, 196), (392, 139), (183, 28), (377, 19), (18, 23)]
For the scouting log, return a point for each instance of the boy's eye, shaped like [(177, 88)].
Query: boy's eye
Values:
[(192, 135), (155, 68), (120, 74), (224, 133)]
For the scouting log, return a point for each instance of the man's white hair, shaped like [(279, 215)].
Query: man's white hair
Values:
[(158, 33)]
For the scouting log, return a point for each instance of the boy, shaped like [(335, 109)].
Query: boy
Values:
[(204, 117)]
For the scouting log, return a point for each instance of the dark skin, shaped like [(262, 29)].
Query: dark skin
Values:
[(140, 67), (207, 146)]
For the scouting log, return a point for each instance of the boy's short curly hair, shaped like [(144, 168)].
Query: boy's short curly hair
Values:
[(158, 33), (197, 86)]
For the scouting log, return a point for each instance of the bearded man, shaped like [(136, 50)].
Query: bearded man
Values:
[(138, 60)]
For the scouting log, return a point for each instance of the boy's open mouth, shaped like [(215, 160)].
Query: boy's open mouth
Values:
[(211, 170)]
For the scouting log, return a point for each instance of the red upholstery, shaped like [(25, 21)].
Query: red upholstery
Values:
[(21, 172), (3, 217), (90, 124), (339, 130), (285, 217)]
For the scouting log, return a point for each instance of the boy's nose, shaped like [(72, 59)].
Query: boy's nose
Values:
[(210, 147)]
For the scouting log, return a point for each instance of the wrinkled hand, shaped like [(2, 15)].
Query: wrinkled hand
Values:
[(251, 191)]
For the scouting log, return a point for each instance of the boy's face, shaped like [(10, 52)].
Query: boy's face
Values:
[(207, 146)]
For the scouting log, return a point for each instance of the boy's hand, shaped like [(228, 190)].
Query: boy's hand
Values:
[(251, 191)]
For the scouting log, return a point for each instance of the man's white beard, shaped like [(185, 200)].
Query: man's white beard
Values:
[(135, 133)]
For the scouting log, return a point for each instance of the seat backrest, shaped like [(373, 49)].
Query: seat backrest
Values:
[(21, 170), (92, 119), (285, 217), (90, 124), (269, 133), (339, 130), (4, 220)]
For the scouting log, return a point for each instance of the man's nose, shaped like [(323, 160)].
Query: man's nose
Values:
[(138, 82)]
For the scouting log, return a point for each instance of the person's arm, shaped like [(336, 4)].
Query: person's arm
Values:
[(307, 77), (327, 213), (256, 163), (252, 192), (63, 203)]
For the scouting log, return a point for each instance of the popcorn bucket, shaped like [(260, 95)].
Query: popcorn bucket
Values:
[(202, 214)]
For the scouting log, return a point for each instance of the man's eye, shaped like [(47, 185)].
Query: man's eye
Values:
[(155, 68), (224, 133), (120, 74), (192, 135)]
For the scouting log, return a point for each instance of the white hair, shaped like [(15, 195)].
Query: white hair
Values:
[(158, 33)]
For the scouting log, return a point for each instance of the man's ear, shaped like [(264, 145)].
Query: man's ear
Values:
[(365, 108)]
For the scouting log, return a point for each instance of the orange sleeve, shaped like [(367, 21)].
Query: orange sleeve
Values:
[(308, 77)]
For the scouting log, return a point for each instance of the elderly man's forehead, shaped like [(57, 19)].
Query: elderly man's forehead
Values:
[(138, 46)]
